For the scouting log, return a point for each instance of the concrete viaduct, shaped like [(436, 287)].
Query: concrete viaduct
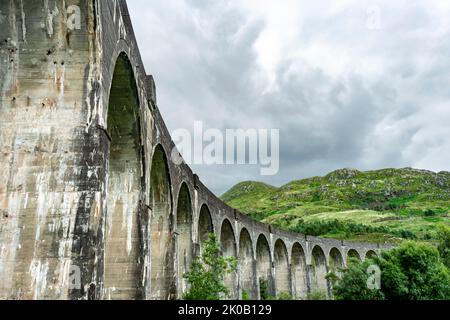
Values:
[(87, 180)]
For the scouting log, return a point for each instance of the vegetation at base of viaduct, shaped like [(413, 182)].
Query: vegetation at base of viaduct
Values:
[(412, 271)]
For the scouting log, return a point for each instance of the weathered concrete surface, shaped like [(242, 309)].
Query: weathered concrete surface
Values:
[(86, 178)]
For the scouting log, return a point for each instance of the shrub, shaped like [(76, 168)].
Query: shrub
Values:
[(263, 289), (317, 296), (429, 213), (285, 296), (444, 244), (412, 271), (320, 228), (206, 277)]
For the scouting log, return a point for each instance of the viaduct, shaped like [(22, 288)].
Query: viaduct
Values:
[(87, 178)]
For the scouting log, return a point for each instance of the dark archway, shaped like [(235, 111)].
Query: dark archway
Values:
[(336, 261), (263, 267), (205, 225), (184, 236), (299, 271), (122, 271), (228, 247), (282, 272), (371, 254), (247, 265), (163, 282), (352, 254), (319, 283)]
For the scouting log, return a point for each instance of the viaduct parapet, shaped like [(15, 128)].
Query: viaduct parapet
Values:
[(86, 177)]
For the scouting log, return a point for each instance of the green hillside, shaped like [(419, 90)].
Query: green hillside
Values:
[(377, 206)]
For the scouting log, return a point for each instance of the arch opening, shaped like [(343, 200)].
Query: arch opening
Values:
[(184, 236), (228, 247), (282, 273), (263, 267), (299, 274), (205, 226), (351, 255), (319, 283), (247, 266), (122, 271), (163, 286), (336, 261)]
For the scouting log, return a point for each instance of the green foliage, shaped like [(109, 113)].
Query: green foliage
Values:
[(346, 229), (353, 283), (444, 244), (264, 289), (245, 295), (317, 296), (206, 277), (412, 271), (284, 296), (429, 213), (318, 228)]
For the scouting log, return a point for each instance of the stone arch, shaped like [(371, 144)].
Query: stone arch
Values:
[(263, 265), (318, 270), (299, 271), (163, 285), (336, 261), (247, 265), (205, 225), (282, 272), (122, 270), (228, 248), (184, 236), (371, 254), (353, 254)]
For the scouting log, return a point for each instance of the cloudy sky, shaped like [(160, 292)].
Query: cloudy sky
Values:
[(351, 83)]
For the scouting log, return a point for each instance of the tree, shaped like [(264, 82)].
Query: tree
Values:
[(206, 277), (444, 243), (352, 285), (412, 271)]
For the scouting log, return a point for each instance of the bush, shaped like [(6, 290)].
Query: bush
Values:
[(317, 296), (206, 277), (412, 271), (406, 234), (444, 244), (263, 289), (285, 296), (320, 228), (429, 213), (245, 296)]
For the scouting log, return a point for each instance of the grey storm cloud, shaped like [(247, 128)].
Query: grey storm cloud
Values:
[(341, 93)]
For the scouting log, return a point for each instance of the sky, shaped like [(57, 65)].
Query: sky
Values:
[(349, 84)]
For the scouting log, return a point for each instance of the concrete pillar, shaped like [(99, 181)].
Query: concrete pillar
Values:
[(52, 211)]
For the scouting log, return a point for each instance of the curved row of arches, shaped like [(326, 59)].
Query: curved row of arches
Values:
[(168, 226)]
